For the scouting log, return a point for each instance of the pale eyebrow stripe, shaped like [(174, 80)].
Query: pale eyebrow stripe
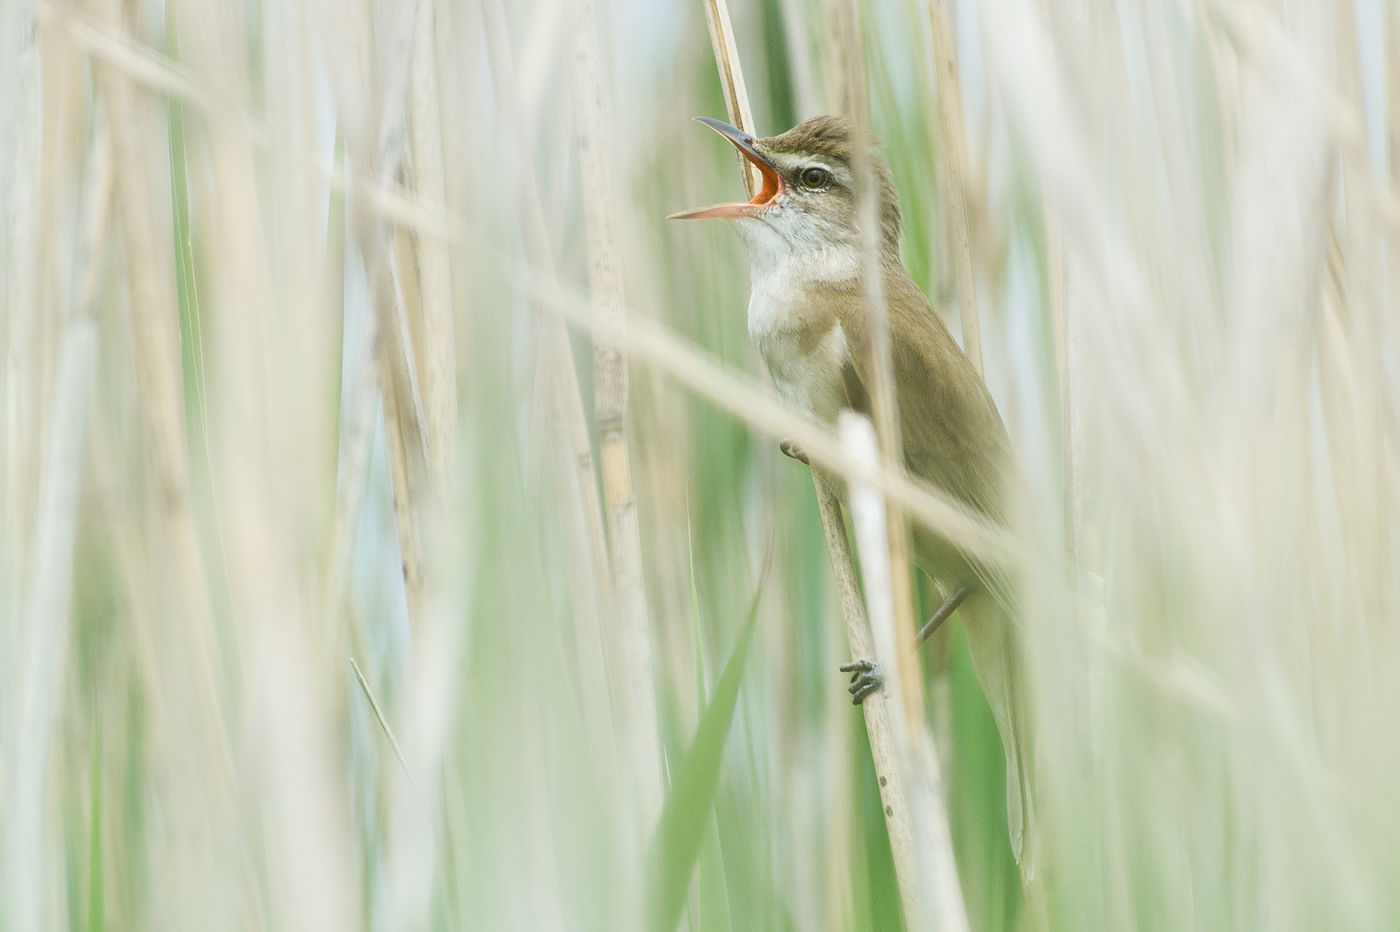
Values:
[(792, 161)]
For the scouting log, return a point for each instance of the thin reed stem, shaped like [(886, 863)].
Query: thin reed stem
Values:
[(957, 179), (610, 403)]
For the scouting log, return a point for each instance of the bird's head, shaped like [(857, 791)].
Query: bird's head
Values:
[(808, 197)]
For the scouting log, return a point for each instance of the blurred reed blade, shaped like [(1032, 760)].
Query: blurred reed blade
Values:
[(290, 238), (568, 429), (435, 337), (686, 815), (30, 722)]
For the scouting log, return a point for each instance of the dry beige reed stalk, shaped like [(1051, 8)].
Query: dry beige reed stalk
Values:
[(731, 77), (33, 856), (273, 366), (24, 334), (1362, 265), (879, 725), (404, 425), (352, 474), (437, 345), (610, 391), (590, 570), (174, 625), (907, 766), (30, 861), (155, 323), (413, 331), (957, 179), (1392, 123), (1061, 335), (106, 42), (380, 144)]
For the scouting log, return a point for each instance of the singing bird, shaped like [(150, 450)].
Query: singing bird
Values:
[(809, 317)]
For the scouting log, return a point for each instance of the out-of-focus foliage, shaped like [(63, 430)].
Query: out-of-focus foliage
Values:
[(280, 286)]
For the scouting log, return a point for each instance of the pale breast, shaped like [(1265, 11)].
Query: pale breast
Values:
[(806, 361), (793, 320), (811, 379)]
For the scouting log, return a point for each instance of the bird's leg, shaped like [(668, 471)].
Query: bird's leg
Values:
[(790, 448), (950, 605), (866, 676)]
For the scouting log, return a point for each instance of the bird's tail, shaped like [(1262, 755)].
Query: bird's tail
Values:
[(991, 640)]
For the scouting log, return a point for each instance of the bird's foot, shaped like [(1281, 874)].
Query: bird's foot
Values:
[(790, 448), (866, 678)]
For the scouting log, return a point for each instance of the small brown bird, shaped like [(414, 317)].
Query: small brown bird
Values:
[(809, 317)]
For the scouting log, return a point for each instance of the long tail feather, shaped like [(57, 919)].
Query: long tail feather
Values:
[(990, 638)]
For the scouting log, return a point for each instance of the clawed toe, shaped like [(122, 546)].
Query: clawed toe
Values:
[(866, 678)]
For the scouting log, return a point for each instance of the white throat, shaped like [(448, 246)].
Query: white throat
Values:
[(785, 262)]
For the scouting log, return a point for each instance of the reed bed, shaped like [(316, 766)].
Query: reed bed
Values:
[(395, 534)]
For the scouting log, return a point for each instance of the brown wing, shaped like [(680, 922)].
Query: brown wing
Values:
[(953, 437)]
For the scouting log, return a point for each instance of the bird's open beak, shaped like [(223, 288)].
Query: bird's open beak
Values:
[(772, 183)]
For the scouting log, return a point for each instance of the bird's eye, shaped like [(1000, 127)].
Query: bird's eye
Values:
[(815, 177)]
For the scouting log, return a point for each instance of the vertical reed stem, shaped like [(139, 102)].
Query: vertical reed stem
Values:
[(956, 181), (610, 406)]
